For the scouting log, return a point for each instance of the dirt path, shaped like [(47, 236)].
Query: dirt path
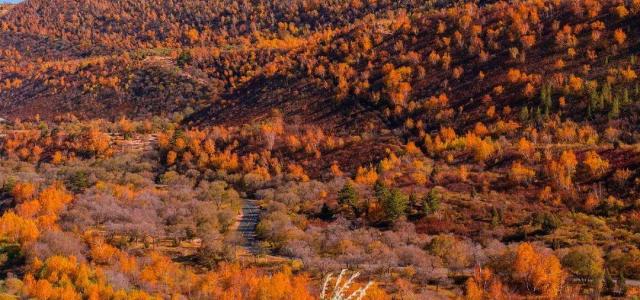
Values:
[(633, 283), (136, 144), (247, 221), (246, 224)]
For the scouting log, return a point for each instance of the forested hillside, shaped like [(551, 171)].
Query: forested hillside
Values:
[(247, 149)]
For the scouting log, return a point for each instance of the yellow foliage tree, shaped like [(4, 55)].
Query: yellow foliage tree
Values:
[(366, 176), (619, 36), (23, 191), (17, 229), (526, 148), (171, 158), (521, 173), (297, 172), (57, 158), (539, 272), (595, 164)]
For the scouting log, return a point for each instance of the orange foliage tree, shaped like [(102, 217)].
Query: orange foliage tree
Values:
[(595, 164), (538, 272), (484, 285)]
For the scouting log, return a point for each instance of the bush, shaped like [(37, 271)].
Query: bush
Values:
[(586, 264)]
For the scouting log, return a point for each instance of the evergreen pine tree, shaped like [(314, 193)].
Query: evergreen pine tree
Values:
[(348, 197), (524, 114), (622, 284), (326, 213), (184, 58), (594, 101), (608, 284), (545, 99), (615, 108), (394, 204), (413, 203), (538, 114), (380, 190), (431, 202), (605, 95), (495, 217)]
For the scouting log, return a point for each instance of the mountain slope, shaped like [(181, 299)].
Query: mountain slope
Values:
[(450, 68), (401, 63)]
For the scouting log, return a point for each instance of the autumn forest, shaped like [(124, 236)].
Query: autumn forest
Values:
[(320, 149)]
